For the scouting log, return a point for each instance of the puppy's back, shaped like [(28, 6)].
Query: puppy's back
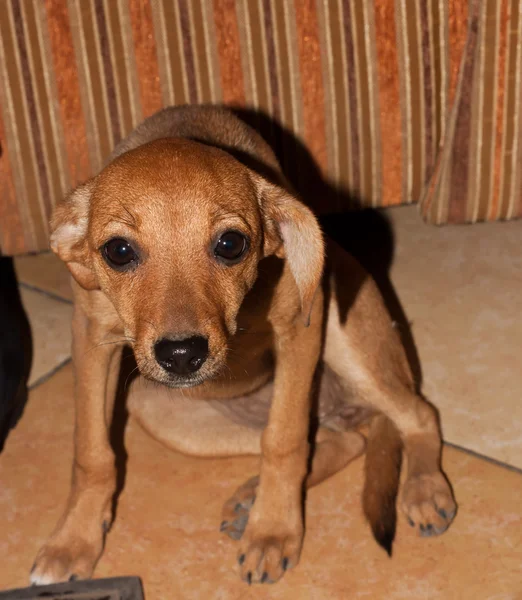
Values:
[(212, 125)]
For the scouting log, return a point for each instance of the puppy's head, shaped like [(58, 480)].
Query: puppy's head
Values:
[(172, 233)]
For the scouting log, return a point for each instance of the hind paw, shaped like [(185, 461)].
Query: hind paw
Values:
[(427, 502), (236, 510)]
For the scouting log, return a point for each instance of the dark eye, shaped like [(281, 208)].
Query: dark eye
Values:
[(231, 246), (119, 253)]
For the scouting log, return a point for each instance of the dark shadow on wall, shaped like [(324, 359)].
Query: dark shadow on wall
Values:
[(364, 232)]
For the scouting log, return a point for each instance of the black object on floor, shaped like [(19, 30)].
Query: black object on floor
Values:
[(15, 350), (117, 588)]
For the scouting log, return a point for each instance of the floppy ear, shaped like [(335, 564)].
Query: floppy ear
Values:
[(292, 232), (69, 235)]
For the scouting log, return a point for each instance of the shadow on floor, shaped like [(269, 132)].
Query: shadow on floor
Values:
[(120, 417)]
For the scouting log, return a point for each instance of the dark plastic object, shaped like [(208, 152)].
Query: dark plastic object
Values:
[(117, 588), (15, 350)]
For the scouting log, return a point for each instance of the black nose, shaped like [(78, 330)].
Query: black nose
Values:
[(182, 357)]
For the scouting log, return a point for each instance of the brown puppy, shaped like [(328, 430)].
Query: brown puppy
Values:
[(215, 275)]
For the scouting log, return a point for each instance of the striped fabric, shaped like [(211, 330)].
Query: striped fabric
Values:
[(374, 89), (478, 175)]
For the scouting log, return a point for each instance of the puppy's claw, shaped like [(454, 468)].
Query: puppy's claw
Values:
[(284, 563), (241, 559), (264, 578), (249, 578)]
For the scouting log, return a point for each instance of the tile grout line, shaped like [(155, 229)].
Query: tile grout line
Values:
[(495, 461), (51, 295), (49, 374)]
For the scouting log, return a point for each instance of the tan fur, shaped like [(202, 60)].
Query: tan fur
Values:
[(181, 178)]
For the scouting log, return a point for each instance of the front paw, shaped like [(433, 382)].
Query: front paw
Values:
[(427, 502), (66, 558), (268, 550)]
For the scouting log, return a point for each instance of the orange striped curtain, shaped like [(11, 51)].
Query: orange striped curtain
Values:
[(397, 100)]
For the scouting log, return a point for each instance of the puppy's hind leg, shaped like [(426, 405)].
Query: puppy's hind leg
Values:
[(196, 428), (333, 451), (366, 352)]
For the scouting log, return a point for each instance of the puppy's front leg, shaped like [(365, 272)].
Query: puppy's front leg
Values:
[(273, 537), (77, 542)]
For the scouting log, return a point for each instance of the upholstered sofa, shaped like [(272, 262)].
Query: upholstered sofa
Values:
[(391, 101)]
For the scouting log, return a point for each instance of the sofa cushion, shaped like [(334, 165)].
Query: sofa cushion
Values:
[(478, 175), (369, 89)]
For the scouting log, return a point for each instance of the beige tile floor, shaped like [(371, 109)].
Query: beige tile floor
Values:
[(50, 321), (459, 289)]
